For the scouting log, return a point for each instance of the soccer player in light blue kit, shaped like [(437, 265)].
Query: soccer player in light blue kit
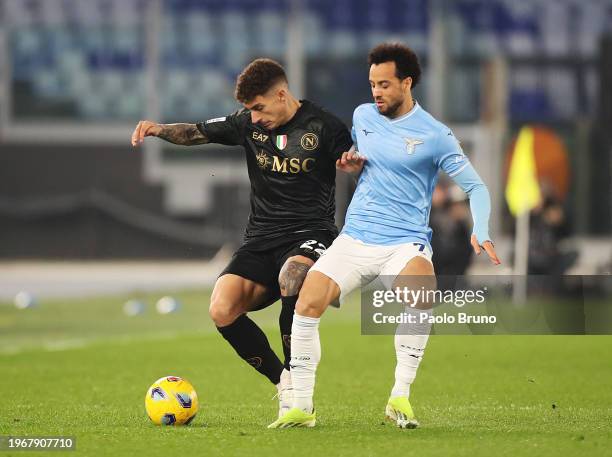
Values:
[(400, 148)]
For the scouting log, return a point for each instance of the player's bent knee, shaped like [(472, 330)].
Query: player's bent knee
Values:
[(316, 295), (418, 266), (310, 308), (418, 274), (223, 313)]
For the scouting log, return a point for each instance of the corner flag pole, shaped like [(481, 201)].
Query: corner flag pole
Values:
[(522, 195), (521, 259)]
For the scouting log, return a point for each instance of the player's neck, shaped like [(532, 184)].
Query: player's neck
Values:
[(404, 108), (293, 105)]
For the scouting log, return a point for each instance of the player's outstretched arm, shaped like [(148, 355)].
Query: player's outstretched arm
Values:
[(480, 206), (351, 162), (183, 134)]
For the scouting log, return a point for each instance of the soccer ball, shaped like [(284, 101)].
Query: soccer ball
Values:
[(171, 401)]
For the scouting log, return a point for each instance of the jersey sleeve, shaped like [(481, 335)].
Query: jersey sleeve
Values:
[(229, 130), (480, 201), (354, 137), (449, 155), (339, 138)]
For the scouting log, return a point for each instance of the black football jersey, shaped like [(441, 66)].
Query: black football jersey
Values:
[(292, 169)]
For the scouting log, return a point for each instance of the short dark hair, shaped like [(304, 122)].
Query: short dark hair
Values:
[(406, 61), (258, 78)]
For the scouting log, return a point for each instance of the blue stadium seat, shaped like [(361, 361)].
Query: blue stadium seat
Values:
[(68, 48)]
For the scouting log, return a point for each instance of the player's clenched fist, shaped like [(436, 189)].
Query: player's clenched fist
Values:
[(350, 162), (144, 128)]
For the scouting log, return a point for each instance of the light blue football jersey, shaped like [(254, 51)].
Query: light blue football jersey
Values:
[(392, 201)]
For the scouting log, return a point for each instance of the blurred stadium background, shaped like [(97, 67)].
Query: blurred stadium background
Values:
[(77, 75)]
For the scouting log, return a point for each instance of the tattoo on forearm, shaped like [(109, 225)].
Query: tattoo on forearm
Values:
[(184, 134), (291, 277)]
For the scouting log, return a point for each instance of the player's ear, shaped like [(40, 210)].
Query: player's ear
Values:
[(407, 83), (281, 94)]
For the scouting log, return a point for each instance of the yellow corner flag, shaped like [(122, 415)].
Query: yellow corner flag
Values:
[(522, 189)]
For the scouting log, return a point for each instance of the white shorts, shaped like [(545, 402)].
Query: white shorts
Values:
[(352, 264)]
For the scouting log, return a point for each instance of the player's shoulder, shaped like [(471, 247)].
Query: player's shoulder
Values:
[(322, 120), (239, 118), (243, 121), (443, 137), (243, 115), (430, 123), (326, 116), (365, 109)]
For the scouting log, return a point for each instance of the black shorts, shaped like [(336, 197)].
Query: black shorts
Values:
[(261, 262)]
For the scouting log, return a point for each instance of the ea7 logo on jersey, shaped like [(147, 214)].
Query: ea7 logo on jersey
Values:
[(260, 137), (411, 144)]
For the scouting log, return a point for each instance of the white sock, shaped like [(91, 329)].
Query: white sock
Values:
[(285, 392), (285, 380), (305, 356), (410, 342)]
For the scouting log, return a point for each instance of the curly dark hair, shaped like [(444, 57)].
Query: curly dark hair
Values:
[(257, 78), (406, 61)]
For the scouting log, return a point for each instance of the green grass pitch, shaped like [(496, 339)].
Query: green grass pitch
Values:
[(82, 368)]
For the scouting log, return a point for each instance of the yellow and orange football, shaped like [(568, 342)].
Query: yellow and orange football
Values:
[(171, 401)]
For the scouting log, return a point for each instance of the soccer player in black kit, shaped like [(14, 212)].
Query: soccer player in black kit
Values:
[(291, 150)]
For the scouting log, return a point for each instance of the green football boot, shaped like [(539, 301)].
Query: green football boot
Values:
[(295, 417), (399, 411)]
